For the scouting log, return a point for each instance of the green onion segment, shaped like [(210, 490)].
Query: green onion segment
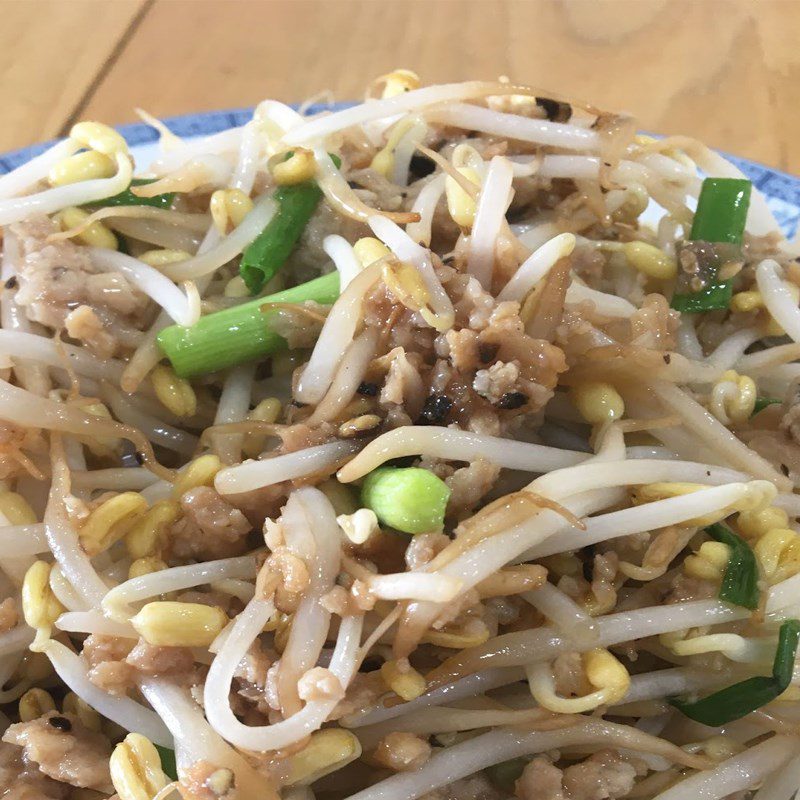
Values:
[(740, 581), (740, 699), (239, 334), (720, 217), (128, 198), (410, 499)]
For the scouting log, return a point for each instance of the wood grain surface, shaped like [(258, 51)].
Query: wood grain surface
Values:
[(727, 71)]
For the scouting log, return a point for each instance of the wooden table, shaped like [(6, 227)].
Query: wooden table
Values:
[(727, 71)]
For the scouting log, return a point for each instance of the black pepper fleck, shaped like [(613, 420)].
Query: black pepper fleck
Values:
[(435, 410), (667, 358), (487, 352), (367, 389), (511, 400), (140, 457), (60, 723), (12, 282)]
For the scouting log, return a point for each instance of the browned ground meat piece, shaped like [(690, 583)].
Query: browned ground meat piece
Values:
[(98, 648), (205, 781), (64, 749), (300, 436), (496, 381), (153, 660), (568, 675), (602, 776), (114, 677), (211, 527), (251, 676), (383, 193), (12, 440), (540, 780), (403, 385), (466, 354), (23, 780), (115, 661), (107, 668), (58, 279), (8, 614), (402, 751), (476, 787), (790, 421), (469, 484), (685, 588)]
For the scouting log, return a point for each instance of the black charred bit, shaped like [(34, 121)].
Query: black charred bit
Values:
[(588, 565), (367, 389), (60, 724), (487, 352), (435, 410), (555, 110), (512, 400)]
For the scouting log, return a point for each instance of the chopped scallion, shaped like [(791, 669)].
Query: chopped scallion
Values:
[(128, 198), (168, 762), (763, 402), (720, 218), (410, 499), (740, 581), (721, 210), (711, 298), (740, 699), (239, 334), (267, 253)]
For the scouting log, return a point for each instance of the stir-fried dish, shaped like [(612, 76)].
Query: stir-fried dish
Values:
[(442, 446)]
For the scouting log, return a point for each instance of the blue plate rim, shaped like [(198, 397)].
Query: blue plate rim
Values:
[(773, 182)]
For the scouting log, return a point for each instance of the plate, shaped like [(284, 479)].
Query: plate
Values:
[(781, 189)]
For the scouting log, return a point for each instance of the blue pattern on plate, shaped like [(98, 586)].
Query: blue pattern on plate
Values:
[(781, 189)]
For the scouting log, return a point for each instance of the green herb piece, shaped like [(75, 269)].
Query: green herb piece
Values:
[(168, 762), (735, 702), (128, 198), (763, 402), (740, 581)]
